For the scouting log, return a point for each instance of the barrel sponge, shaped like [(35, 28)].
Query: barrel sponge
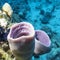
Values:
[(7, 8), (21, 40), (42, 42)]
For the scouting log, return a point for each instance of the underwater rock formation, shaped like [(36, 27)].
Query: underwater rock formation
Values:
[(21, 40)]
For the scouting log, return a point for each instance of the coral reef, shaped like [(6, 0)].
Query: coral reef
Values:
[(42, 14)]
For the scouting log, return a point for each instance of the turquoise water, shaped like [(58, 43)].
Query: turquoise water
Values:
[(40, 58)]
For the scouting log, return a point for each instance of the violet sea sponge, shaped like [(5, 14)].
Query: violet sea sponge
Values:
[(42, 43), (21, 40)]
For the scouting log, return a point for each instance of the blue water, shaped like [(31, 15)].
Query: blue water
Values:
[(40, 58), (43, 15)]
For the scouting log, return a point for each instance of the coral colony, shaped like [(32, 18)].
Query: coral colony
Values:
[(5, 15), (24, 41), (5, 19)]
